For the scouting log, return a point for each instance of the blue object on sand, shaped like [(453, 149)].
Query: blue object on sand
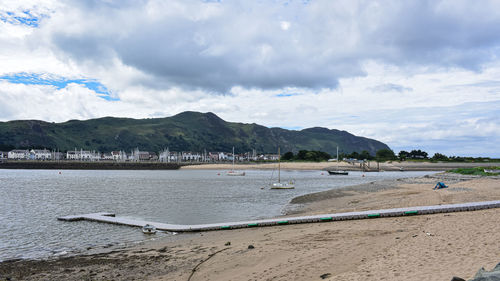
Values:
[(440, 185)]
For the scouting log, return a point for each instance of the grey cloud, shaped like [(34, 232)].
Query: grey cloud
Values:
[(451, 130), (441, 33), (215, 46)]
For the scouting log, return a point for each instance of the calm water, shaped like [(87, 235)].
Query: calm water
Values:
[(30, 201)]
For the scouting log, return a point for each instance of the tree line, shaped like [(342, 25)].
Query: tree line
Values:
[(381, 155)]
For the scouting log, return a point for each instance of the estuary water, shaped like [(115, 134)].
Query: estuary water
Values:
[(31, 200)]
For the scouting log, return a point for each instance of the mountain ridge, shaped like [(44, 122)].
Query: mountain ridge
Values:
[(186, 131)]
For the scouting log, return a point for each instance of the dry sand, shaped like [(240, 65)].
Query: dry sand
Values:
[(427, 247)]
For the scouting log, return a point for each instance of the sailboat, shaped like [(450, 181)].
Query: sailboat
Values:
[(338, 171), (282, 185), (233, 172)]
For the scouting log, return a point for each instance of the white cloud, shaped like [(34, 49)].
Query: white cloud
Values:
[(395, 71)]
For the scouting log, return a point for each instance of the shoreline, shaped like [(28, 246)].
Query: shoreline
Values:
[(286, 252), (76, 165), (372, 165)]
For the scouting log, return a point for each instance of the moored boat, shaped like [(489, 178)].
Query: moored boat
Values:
[(282, 185), (338, 171), (233, 172), (149, 229)]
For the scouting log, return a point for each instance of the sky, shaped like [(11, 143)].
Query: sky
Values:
[(412, 74)]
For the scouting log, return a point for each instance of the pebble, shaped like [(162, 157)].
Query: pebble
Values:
[(326, 275)]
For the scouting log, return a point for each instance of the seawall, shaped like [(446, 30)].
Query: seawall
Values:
[(71, 165)]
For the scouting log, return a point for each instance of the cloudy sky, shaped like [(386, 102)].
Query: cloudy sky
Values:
[(413, 74)]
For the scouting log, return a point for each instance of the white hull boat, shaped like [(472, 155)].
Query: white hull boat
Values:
[(282, 185), (233, 172)]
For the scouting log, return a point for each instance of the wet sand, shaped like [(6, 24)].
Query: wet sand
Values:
[(428, 247)]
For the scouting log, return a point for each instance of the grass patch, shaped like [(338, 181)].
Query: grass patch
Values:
[(476, 171)]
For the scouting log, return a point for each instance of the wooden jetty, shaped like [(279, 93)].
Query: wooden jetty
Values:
[(397, 212)]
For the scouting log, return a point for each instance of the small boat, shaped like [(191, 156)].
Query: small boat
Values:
[(282, 185), (338, 172), (233, 172), (149, 229), (493, 171)]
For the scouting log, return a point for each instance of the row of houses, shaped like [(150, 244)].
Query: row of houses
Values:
[(33, 154), (135, 155)]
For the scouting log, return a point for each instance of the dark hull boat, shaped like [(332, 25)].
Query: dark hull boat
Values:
[(340, 173)]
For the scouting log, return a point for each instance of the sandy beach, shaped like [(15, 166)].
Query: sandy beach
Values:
[(427, 247)]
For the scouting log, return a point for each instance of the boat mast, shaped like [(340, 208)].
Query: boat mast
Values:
[(337, 157), (279, 167), (233, 159)]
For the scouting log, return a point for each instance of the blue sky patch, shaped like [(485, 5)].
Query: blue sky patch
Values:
[(284, 95), (295, 128), (24, 18), (59, 83)]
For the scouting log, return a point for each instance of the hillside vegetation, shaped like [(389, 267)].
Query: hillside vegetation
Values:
[(187, 131)]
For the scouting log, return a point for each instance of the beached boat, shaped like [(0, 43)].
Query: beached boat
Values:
[(338, 172), (282, 185), (494, 171), (149, 229), (233, 172)]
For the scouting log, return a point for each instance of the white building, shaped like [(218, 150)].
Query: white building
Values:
[(82, 155), (223, 156), (191, 157), (40, 154), (165, 156), (18, 154)]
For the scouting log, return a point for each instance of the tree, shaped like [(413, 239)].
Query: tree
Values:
[(402, 155), (354, 155), (287, 156), (439, 156), (385, 154), (365, 155), (308, 155), (418, 154), (301, 155)]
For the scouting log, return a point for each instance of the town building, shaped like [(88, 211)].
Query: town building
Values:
[(18, 154), (82, 155), (40, 154)]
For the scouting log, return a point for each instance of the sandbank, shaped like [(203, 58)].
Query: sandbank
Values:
[(372, 165)]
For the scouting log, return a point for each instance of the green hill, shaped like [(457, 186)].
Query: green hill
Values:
[(187, 131)]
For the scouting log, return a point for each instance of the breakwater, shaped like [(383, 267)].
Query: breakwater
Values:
[(72, 165)]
